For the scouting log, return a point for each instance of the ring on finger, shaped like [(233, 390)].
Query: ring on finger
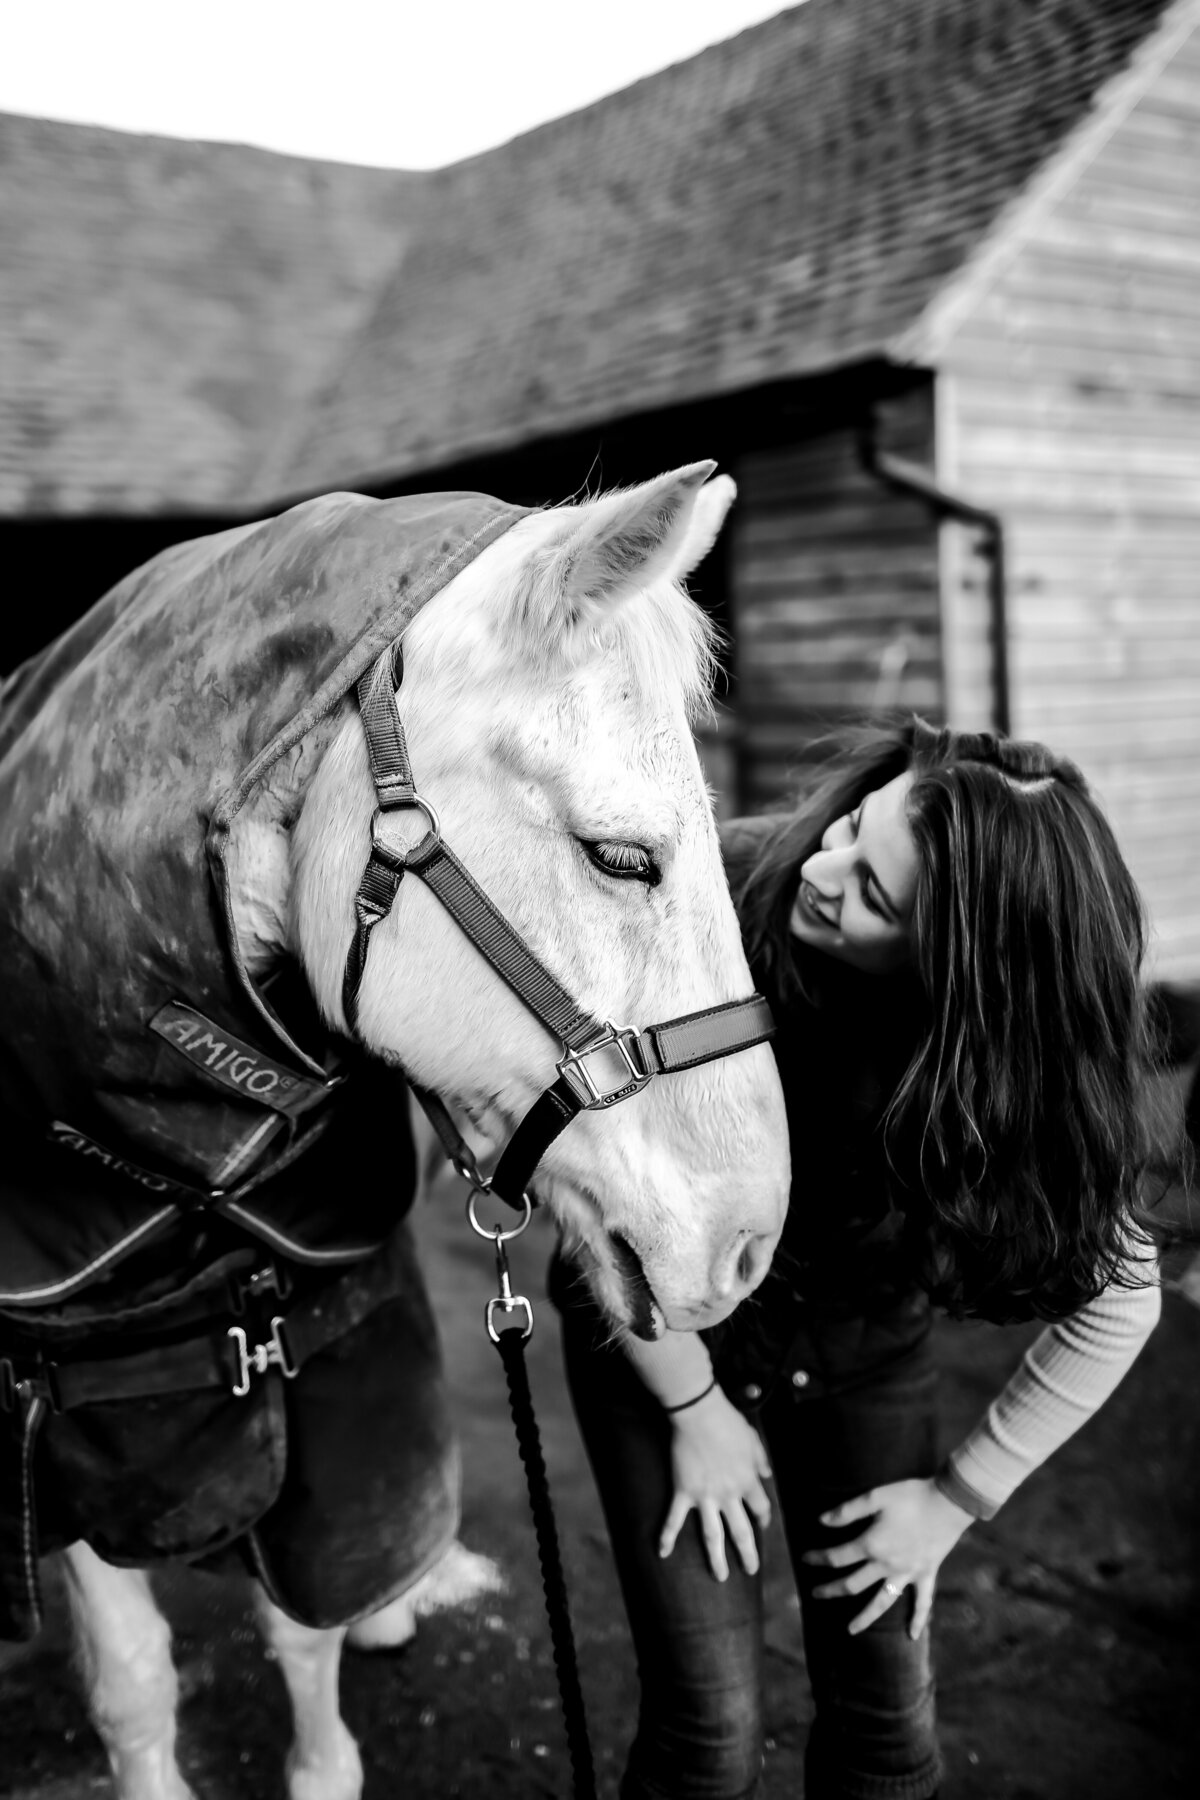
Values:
[(893, 1588)]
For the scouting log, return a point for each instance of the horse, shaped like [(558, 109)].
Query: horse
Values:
[(196, 825)]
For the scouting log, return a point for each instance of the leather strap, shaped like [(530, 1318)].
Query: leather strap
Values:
[(677, 1044), (493, 936), (373, 902), (170, 1369), (386, 747), (207, 1360), (20, 1583), (701, 1037), (392, 776), (483, 923), (549, 1115), (458, 1151)]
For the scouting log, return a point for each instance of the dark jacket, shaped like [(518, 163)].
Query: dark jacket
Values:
[(841, 1298), (142, 1071)]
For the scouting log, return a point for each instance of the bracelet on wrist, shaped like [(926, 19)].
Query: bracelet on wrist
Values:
[(695, 1399)]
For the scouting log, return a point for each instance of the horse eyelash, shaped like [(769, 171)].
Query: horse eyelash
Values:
[(643, 868)]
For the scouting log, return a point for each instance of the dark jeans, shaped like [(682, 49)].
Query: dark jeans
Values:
[(699, 1642)]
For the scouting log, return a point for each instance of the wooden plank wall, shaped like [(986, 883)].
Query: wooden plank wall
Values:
[(833, 594), (1069, 401)]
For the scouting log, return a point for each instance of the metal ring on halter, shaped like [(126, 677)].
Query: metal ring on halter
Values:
[(435, 824), (495, 1234)]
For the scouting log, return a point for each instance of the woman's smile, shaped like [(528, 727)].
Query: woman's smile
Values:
[(809, 901)]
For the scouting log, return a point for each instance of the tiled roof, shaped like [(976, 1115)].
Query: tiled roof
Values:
[(191, 326), (165, 305), (782, 203)]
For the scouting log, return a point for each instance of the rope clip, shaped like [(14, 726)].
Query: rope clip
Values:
[(505, 1301)]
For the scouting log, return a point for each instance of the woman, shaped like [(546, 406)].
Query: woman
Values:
[(951, 943)]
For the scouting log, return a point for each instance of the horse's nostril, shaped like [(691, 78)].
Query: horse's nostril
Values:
[(753, 1260)]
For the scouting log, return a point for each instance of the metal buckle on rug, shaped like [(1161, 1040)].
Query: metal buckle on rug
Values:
[(267, 1280), (256, 1359), (619, 1057)]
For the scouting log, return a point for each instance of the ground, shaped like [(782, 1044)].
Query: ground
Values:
[(1068, 1628)]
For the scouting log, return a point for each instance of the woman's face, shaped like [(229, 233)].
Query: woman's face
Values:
[(857, 891)]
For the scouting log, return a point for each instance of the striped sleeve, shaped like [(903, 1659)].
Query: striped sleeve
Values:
[(1064, 1376)]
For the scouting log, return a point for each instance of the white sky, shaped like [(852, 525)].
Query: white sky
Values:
[(410, 84)]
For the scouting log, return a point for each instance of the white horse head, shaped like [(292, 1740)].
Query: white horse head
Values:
[(547, 698)]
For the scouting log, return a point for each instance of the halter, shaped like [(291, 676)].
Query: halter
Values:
[(601, 1063)]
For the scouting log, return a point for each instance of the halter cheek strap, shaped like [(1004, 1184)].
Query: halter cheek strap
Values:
[(601, 1063), (440, 869)]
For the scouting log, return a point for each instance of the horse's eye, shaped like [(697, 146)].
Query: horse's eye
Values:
[(627, 862)]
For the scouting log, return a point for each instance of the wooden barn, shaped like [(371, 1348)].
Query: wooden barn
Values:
[(924, 276)]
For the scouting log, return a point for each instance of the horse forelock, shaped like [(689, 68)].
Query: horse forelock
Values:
[(666, 643)]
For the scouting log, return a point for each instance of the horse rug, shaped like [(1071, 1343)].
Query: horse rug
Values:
[(191, 1154)]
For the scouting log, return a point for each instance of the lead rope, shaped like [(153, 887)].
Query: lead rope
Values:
[(511, 1344)]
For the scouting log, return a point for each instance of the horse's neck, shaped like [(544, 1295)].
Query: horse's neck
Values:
[(259, 854)]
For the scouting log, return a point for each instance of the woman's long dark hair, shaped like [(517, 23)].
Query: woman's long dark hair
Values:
[(1014, 1134)]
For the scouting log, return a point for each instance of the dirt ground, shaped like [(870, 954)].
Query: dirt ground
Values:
[(1068, 1629)]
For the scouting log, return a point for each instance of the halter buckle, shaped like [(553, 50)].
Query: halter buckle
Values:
[(608, 1069)]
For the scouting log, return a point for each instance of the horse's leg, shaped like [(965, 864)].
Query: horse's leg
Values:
[(323, 1763), (124, 1648)]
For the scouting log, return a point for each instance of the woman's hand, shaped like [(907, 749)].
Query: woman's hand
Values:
[(912, 1528), (719, 1465)]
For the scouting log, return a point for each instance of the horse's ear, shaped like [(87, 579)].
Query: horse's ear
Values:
[(609, 549), (704, 528)]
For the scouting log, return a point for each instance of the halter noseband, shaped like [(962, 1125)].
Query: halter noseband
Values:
[(601, 1063)]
